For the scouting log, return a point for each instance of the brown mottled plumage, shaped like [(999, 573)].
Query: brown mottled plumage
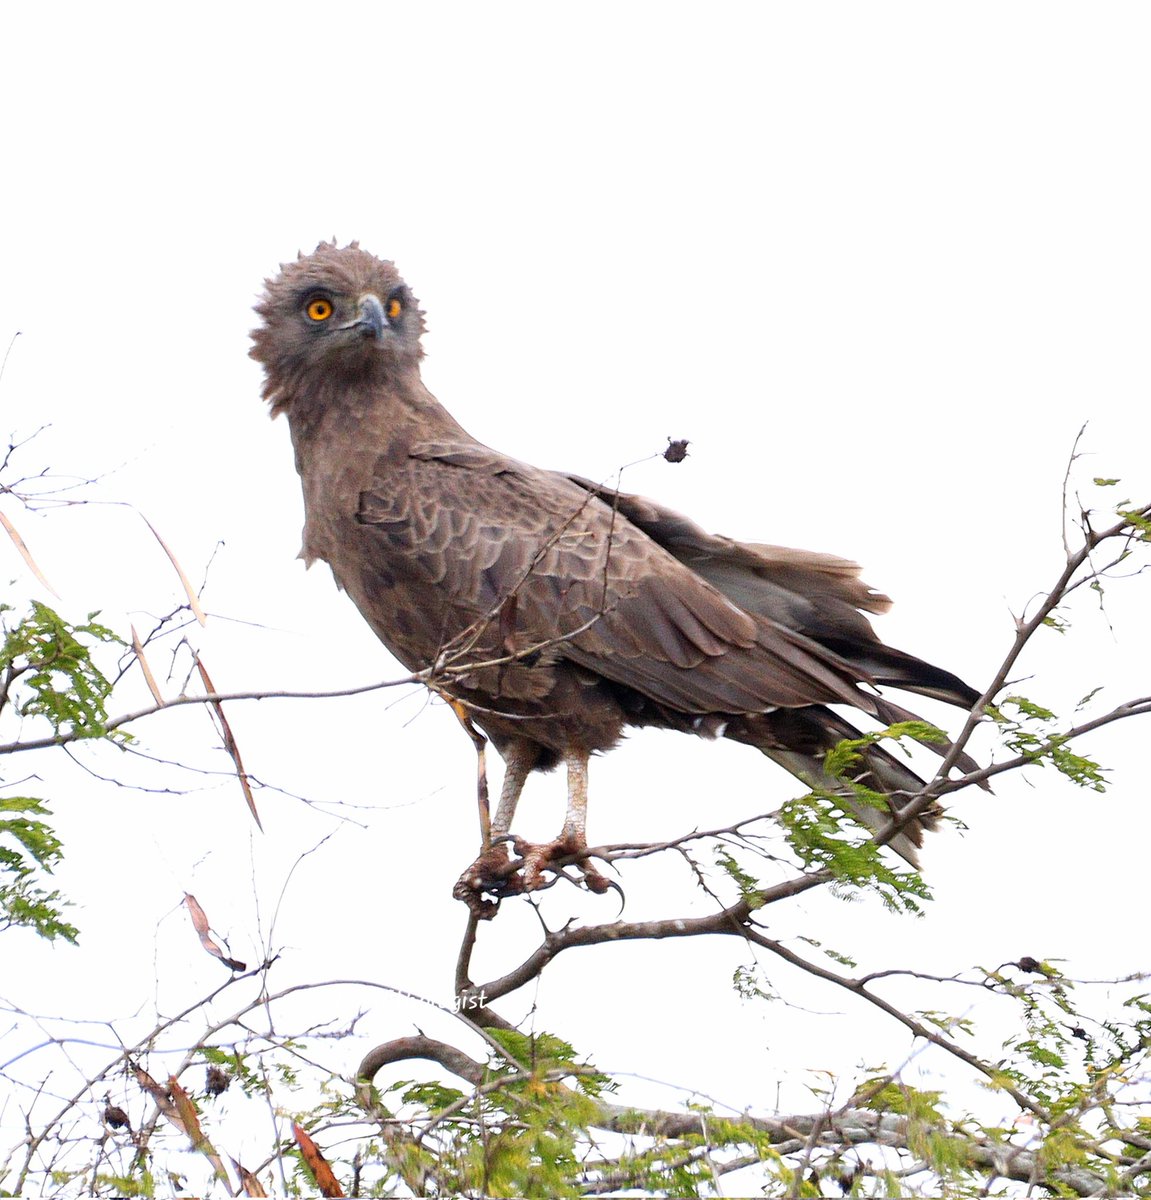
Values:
[(605, 609)]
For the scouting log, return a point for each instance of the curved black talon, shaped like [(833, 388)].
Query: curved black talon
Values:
[(615, 887)]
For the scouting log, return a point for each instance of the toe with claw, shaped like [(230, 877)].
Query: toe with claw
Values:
[(496, 874)]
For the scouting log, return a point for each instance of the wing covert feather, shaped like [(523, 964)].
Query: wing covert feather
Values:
[(588, 580)]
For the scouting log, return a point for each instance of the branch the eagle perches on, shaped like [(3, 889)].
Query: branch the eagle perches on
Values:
[(742, 918)]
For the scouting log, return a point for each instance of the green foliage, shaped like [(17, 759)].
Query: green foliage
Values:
[(428, 1095), (750, 888), (51, 659), (843, 960), (1135, 518), (528, 1129), (824, 829), (846, 756), (945, 1022), (29, 846), (522, 1132), (1030, 733), (247, 1072), (518, 1134), (1074, 1064), (544, 1053), (47, 671), (894, 1096), (126, 1185), (751, 983), (825, 836), (822, 826)]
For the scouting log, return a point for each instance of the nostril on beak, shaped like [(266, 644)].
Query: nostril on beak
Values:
[(372, 321)]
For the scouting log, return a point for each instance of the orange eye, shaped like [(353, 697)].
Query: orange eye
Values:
[(319, 309), (395, 307)]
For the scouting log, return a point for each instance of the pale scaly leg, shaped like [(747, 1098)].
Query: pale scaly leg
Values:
[(495, 874), (518, 763), (572, 841), (575, 820), (492, 871)]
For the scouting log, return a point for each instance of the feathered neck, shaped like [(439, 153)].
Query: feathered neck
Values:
[(381, 414)]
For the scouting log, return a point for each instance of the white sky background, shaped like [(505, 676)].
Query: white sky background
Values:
[(878, 262)]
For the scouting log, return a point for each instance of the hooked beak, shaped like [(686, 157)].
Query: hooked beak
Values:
[(371, 321)]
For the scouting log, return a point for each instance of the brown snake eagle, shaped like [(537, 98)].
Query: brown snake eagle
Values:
[(558, 612)]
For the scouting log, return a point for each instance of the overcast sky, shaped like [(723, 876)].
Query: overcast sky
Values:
[(879, 262)]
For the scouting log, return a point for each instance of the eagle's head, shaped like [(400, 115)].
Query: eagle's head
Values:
[(332, 317)]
